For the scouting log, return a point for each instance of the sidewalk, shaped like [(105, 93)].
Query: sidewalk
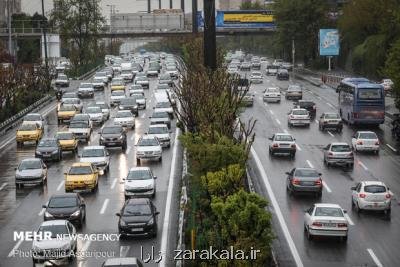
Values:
[(315, 78)]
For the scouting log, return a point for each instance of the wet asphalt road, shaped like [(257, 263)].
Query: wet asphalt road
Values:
[(373, 240), (21, 210)]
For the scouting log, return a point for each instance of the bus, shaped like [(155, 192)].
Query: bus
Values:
[(361, 101)]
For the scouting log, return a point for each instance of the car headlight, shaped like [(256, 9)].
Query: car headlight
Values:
[(151, 221), (38, 152), (48, 215), (150, 186), (54, 152), (76, 213), (121, 137), (102, 138), (122, 223)]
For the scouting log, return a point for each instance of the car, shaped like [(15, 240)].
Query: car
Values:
[(95, 114), (49, 149), (122, 262), (256, 77), (309, 105), (127, 74), (152, 71), (282, 143), (82, 117), (66, 206), (165, 79), (125, 118), (138, 216), (271, 70), (161, 132), (338, 153), (325, 219), (62, 80), (116, 97), (277, 62), (245, 66), (34, 118), (387, 86), (140, 182), (117, 85), (136, 89), (330, 120), (164, 105), (130, 104), (28, 133), (366, 141), (102, 75), (109, 72), (31, 171), (143, 81), (282, 74), (67, 95), (98, 156), (287, 66), (172, 71), (66, 112), (62, 243), (294, 92), (298, 117), (160, 117), (113, 136), (272, 94), (305, 180), (76, 102), (105, 109), (81, 130), (140, 100), (86, 90), (98, 83), (248, 99), (81, 177), (371, 195), (255, 64), (68, 141), (148, 147), (233, 69)]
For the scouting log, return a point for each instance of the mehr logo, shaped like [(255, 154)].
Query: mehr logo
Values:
[(32, 235)]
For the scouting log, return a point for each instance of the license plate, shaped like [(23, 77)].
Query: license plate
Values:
[(308, 183), (137, 230), (330, 224), (111, 143), (79, 190), (46, 156)]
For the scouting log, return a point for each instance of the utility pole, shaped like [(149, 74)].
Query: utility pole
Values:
[(44, 25), (170, 4), (183, 6), (148, 6), (10, 51), (159, 4), (293, 54), (210, 42), (194, 16)]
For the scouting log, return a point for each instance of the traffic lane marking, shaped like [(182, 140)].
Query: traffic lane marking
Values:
[(104, 207), (374, 257)]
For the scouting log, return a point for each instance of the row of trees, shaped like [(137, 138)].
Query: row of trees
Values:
[(222, 213)]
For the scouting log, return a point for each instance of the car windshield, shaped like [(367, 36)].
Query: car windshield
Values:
[(374, 189), (30, 165), (148, 142), (137, 210), (256, 74), (62, 77), (117, 93), (80, 124), (163, 105), (47, 143), (27, 127), (160, 115), (69, 95), (71, 101), (92, 110), (126, 72), (158, 130), (139, 175), (98, 80), (171, 68), (93, 152), (85, 85), (67, 108), (137, 96), (63, 202), (306, 173), (306, 104), (340, 148), (294, 88), (117, 83), (124, 114), (111, 130), (162, 86), (283, 138), (272, 90), (55, 230), (32, 117), (328, 211), (332, 116), (100, 74), (136, 87), (80, 170), (165, 77), (369, 94), (367, 136), (65, 136), (300, 112), (128, 101)]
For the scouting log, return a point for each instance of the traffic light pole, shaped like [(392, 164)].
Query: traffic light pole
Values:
[(210, 42)]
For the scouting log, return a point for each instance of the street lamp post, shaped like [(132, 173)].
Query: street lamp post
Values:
[(9, 27), (46, 61), (210, 42)]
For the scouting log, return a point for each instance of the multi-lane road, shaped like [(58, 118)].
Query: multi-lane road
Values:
[(21, 209), (373, 240)]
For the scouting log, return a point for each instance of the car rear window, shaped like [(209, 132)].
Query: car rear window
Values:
[(375, 189), (306, 173), (331, 116), (283, 138), (328, 211), (367, 136), (340, 148)]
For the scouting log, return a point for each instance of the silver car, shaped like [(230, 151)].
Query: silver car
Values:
[(98, 156), (338, 154), (76, 102), (298, 117), (294, 92), (282, 143), (31, 171), (86, 90)]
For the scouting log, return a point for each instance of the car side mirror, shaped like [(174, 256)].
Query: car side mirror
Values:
[(270, 138), (155, 177), (319, 174), (288, 173), (157, 212), (353, 188), (344, 211), (44, 206), (118, 214)]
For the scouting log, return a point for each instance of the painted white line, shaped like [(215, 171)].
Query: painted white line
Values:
[(329, 104), (316, 121), (12, 252), (349, 219), (298, 147), (285, 131), (142, 116), (123, 251), (326, 187), (132, 137), (41, 212), (319, 97), (60, 185), (114, 183), (331, 134), (270, 111), (3, 186), (278, 121), (309, 164), (362, 165), (104, 207), (374, 257), (392, 148), (128, 150), (168, 202), (86, 246), (277, 210)]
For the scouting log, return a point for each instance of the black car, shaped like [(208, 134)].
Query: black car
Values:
[(309, 105), (67, 206), (49, 149), (306, 180), (138, 216), (282, 74), (129, 103), (113, 136)]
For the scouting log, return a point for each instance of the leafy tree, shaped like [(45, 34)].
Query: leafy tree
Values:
[(392, 70), (249, 5)]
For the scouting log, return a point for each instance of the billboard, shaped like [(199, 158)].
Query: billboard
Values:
[(328, 42)]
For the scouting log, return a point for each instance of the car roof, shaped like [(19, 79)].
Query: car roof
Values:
[(93, 147), (339, 144), (64, 132), (64, 195), (295, 109), (31, 159), (121, 261), (158, 125), (54, 222), (329, 205), (366, 132), (148, 137), (288, 134), (81, 164), (142, 200), (139, 169), (373, 183)]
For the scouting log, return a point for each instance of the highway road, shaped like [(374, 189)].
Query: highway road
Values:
[(373, 239), (21, 209)]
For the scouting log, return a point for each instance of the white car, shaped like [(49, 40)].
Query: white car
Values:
[(143, 81), (140, 100), (105, 109), (140, 181), (136, 89), (387, 85), (298, 117), (127, 75), (86, 90), (116, 97), (232, 69), (148, 147), (61, 243), (98, 156), (165, 106), (101, 75), (82, 117), (256, 77), (282, 143), (172, 71), (161, 132), (98, 83), (371, 195), (81, 129), (125, 118), (76, 102), (272, 94), (34, 118), (365, 141), (324, 219), (62, 80), (159, 117), (95, 113)]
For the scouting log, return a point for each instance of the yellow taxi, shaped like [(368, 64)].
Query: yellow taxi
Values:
[(81, 176), (117, 85), (66, 112), (29, 132), (67, 141)]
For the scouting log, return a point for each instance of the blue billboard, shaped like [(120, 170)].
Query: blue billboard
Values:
[(329, 42)]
